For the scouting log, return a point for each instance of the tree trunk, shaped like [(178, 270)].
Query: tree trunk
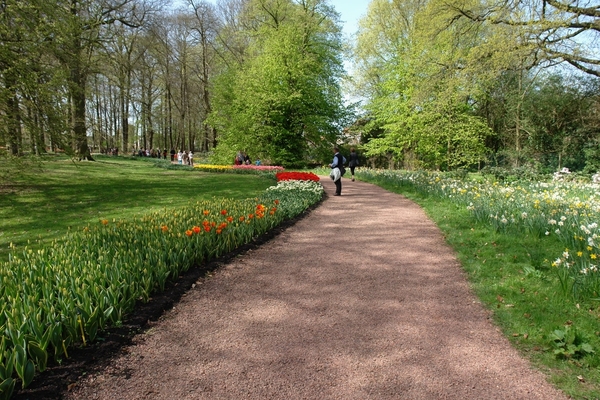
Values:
[(77, 87), (13, 116), (14, 126), (169, 113), (125, 99), (124, 121)]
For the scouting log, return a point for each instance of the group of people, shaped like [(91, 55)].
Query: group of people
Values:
[(183, 157), (154, 153), (113, 151), (242, 158), (338, 169)]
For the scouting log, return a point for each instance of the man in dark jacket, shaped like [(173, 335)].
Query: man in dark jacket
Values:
[(338, 162)]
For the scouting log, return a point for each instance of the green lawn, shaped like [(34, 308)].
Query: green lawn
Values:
[(42, 200)]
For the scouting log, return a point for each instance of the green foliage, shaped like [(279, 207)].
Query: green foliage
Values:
[(32, 87), (449, 89), (424, 111), (285, 99), (570, 343), (592, 157), (524, 173)]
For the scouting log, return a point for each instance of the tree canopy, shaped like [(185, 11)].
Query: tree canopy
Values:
[(445, 84), (453, 84), (283, 102)]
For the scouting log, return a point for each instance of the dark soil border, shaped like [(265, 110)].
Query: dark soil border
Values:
[(57, 379)]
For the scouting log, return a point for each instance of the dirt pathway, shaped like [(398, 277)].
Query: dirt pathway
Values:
[(362, 299)]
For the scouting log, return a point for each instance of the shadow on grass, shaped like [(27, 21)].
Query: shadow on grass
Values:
[(44, 205)]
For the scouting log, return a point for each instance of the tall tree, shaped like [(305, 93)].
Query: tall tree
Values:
[(206, 27), (124, 53), (285, 100), (23, 28), (81, 28), (148, 76), (420, 82)]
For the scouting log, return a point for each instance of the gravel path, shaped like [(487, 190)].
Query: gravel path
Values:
[(362, 299)]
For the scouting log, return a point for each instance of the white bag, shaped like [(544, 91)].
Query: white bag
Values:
[(335, 174)]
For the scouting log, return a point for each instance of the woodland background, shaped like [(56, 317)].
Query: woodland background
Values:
[(448, 85)]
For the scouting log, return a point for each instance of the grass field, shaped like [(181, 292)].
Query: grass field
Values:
[(40, 201)]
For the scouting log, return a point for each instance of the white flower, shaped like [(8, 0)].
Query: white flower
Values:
[(547, 233)]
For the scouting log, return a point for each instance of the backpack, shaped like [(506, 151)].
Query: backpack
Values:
[(340, 164)]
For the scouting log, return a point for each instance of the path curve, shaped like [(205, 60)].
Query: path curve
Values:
[(362, 299)]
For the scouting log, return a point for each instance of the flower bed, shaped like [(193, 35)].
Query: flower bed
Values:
[(568, 210), (66, 293), (213, 168), (238, 168), (269, 168), (300, 176)]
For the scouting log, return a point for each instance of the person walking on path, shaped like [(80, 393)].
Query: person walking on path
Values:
[(337, 166), (353, 162)]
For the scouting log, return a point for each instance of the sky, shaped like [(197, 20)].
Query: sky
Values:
[(351, 11)]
